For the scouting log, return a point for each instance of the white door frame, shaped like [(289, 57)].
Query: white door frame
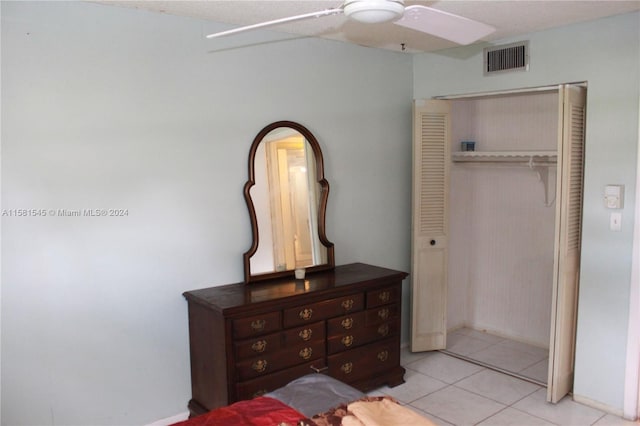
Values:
[(631, 405)]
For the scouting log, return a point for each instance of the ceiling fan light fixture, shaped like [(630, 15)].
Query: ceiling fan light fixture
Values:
[(374, 11)]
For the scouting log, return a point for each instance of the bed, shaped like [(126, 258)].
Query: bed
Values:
[(312, 400)]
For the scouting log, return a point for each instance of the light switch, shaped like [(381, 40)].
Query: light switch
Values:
[(615, 222), (614, 196)]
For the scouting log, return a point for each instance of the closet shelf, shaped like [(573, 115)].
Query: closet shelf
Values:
[(538, 161), (506, 156)]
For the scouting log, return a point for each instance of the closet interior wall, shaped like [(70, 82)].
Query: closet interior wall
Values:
[(501, 232)]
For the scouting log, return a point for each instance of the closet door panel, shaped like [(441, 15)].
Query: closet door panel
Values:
[(431, 152), (568, 237)]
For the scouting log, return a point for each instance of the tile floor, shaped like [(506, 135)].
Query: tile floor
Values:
[(528, 361), (451, 391)]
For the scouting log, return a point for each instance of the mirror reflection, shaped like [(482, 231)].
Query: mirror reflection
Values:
[(286, 199)]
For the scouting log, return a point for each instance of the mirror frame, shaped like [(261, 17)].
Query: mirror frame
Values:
[(322, 206)]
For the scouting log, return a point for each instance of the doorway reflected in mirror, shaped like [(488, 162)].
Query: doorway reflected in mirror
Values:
[(292, 196)]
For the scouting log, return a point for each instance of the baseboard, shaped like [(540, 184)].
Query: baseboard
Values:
[(170, 420), (598, 405)]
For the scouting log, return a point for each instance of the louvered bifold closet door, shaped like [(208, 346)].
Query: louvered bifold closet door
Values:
[(571, 135), (431, 159)]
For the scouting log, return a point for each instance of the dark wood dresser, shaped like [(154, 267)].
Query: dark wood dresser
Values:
[(248, 339)]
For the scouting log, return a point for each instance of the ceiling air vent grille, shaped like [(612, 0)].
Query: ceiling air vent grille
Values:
[(508, 57)]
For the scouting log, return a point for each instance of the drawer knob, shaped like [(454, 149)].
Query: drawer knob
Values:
[(384, 296), (347, 323), (305, 334), (258, 325), (306, 314), (260, 365), (383, 355), (306, 353), (347, 367), (347, 305), (383, 330), (383, 313), (347, 341), (259, 346)]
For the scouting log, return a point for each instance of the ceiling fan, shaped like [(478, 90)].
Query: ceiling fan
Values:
[(425, 19)]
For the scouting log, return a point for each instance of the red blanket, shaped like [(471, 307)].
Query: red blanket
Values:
[(261, 411)]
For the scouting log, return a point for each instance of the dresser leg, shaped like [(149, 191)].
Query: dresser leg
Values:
[(195, 409), (396, 378)]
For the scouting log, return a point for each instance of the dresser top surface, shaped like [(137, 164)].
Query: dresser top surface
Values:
[(241, 294)]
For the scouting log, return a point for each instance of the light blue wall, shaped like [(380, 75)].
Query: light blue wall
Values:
[(115, 108), (104, 107), (606, 54)]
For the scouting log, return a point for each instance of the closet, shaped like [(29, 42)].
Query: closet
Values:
[(496, 228)]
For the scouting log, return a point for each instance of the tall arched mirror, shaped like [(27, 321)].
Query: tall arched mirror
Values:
[(287, 197)]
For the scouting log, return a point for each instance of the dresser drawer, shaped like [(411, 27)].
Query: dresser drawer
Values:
[(382, 313), (270, 343), (251, 388), (256, 325), (326, 309), (341, 325), (269, 363), (358, 320), (364, 361), (260, 345), (383, 296), (307, 333), (361, 336)]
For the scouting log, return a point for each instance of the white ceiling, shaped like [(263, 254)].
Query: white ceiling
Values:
[(510, 18)]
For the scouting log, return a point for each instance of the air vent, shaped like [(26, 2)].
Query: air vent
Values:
[(508, 57)]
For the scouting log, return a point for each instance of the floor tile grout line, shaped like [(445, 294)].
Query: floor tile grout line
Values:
[(495, 400), (505, 405), (483, 396), (493, 367), (534, 415), (503, 342), (528, 413), (430, 414), (475, 362), (494, 414), (455, 384), (439, 379), (529, 366), (506, 342), (426, 411), (421, 396), (599, 418)]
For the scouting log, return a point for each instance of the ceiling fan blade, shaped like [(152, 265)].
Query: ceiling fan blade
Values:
[(443, 24), (322, 13)]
